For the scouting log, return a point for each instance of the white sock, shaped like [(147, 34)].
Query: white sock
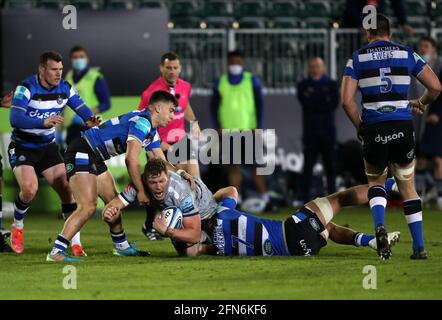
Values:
[(122, 245), (265, 196), (76, 239), (18, 223)]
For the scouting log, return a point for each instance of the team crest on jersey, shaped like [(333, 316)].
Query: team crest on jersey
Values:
[(268, 247), (59, 100), (69, 167), (21, 158), (314, 224)]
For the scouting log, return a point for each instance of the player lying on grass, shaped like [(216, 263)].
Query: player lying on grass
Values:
[(166, 188), (232, 232), (88, 175)]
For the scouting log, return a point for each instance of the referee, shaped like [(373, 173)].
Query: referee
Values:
[(382, 71)]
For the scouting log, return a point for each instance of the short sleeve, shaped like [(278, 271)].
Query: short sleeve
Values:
[(139, 128), (417, 64), (128, 195), (21, 98), (349, 70)]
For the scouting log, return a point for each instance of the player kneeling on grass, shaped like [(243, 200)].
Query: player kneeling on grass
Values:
[(166, 188), (232, 232)]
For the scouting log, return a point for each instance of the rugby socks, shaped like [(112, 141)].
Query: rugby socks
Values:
[(61, 244), (377, 198), (413, 215), (20, 209), (390, 185), (66, 210), (119, 240), (362, 239)]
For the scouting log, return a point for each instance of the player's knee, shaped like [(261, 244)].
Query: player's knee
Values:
[(29, 190), (88, 209)]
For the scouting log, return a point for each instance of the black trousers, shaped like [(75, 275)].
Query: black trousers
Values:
[(313, 146)]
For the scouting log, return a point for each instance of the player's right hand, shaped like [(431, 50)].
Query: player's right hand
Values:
[(142, 198), (111, 214), (417, 107), (52, 121)]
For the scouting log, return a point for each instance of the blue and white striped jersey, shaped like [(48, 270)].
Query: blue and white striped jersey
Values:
[(240, 234), (111, 137), (383, 70), (32, 104)]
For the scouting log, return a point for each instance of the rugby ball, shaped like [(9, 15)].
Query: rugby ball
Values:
[(174, 217), (253, 205)]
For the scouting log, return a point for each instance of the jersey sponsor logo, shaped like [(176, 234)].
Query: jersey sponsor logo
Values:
[(390, 137), (314, 224), (268, 247), (187, 204), (19, 92), (218, 237), (387, 109), (69, 167), (307, 250), (43, 115)]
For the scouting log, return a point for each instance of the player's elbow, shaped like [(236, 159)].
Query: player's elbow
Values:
[(131, 160), (435, 87)]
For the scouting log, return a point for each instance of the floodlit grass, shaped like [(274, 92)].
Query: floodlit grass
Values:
[(334, 274)]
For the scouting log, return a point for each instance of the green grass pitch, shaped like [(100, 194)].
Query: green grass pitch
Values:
[(334, 274)]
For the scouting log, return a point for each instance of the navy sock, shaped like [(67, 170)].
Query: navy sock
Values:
[(119, 240), (362, 239), (20, 209), (413, 215), (378, 201), (61, 244), (67, 209)]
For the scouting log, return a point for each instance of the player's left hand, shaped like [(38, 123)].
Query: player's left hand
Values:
[(7, 100), (160, 223), (188, 177), (93, 121)]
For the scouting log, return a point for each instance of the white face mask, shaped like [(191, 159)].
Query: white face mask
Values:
[(426, 57), (235, 69)]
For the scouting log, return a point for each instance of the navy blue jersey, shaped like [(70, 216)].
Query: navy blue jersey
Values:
[(32, 104), (383, 70), (110, 139), (238, 233)]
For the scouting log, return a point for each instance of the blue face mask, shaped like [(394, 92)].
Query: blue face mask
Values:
[(79, 64), (426, 57)]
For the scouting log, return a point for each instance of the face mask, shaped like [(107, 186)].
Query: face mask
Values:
[(426, 57), (79, 64), (235, 69)]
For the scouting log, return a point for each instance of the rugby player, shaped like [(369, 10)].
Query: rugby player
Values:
[(382, 71), (173, 135), (167, 188), (36, 107), (232, 232), (4, 235), (88, 175)]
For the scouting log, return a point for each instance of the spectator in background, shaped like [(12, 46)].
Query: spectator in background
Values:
[(91, 86), (174, 133), (319, 98), (353, 14), (427, 49), (237, 104)]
